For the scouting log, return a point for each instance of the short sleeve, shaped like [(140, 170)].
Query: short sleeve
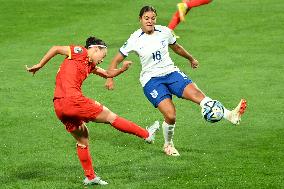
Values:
[(171, 37), (127, 47)]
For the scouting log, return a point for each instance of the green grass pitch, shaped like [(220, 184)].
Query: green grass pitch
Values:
[(239, 45)]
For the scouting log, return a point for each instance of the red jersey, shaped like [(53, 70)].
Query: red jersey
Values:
[(72, 72)]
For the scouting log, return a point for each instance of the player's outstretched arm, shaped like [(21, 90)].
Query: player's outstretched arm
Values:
[(178, 49), (109, 84), (112, 73), (63, 50)]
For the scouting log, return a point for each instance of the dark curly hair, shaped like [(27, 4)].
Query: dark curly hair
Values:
[(94, 41), (147, 9)]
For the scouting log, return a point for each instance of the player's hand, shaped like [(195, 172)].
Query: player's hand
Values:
[(194, 63), (34, 68), (109, 84), (126, 64)]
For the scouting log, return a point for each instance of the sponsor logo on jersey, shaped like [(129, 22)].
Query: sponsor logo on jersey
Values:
[(78, 50)]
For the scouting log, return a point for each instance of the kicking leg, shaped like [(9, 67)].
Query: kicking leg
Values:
[(174, 21), (193, 93), (184, 7), (126, 126), (196, 3)]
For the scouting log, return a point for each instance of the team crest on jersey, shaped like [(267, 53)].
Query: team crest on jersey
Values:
[(154, 93), (78, 50), (163, 43)]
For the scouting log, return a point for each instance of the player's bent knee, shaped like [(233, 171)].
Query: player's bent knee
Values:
[(111, 117), (82, 144), (106, 116)]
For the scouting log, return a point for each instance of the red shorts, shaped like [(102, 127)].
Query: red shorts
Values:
[(74, 111)]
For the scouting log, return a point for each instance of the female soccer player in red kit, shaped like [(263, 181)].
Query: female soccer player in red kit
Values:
[(183, 9), (74, 109)]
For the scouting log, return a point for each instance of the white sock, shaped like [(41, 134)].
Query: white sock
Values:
[(204, 100), (168, 131), (226, 113)]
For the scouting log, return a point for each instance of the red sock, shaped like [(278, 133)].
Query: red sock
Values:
[(174, 21), (126, 126), (86, 161), (196, 3)]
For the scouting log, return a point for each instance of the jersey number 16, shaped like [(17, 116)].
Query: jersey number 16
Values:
[(156, 55)]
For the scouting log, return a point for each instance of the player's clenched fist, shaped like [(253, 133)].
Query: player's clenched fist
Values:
[(126, 64)]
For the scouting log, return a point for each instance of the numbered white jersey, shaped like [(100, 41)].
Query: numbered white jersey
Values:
[(153, 52)]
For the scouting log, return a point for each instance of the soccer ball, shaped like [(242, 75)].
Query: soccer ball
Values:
[(212, 111)]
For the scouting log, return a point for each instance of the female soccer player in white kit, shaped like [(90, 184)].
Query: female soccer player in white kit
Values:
[(160, 78)]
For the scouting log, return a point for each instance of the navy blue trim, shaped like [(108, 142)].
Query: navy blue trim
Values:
[(157, 30), (141, 34), (173, 43), (122, 54)]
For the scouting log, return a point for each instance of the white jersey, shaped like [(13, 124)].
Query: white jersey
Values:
[(153, 52)]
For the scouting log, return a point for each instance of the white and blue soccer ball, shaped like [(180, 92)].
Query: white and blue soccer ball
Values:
[(213, 111)]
